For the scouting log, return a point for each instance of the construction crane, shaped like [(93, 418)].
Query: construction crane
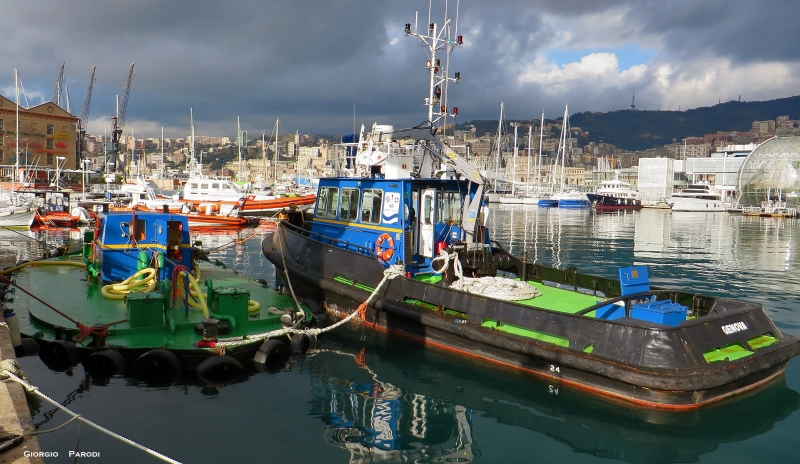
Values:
[(118, 122), (83, 122), (59, 83)]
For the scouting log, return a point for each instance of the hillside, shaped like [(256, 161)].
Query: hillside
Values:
[(640, 130)]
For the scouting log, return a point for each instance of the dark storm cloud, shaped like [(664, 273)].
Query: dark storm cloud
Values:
[(744, 31), (309, 62)]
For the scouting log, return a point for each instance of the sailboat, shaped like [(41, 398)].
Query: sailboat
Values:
[(564, 198), (514, 198), (533, 199), (12, 215)]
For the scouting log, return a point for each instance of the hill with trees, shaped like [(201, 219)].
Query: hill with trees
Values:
[(642, 129)]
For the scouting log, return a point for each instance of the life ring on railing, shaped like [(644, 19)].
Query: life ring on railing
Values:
[(384, 254)]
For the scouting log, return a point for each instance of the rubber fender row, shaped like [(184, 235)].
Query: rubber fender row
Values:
[(163, 366)]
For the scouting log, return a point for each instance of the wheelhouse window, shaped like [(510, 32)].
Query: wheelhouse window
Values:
[(349, 209), (327, 202), (371, 206), (450, 206)]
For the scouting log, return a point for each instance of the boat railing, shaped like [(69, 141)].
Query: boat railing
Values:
[(333, 241)]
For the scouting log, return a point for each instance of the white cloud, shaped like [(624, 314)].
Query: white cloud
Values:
[(705, 81), (596, 70)]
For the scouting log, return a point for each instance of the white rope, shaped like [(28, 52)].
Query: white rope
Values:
[(499, 288), (392, 272), (9, 375), (443, 256)]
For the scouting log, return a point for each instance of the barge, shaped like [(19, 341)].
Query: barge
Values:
[(140, 299)]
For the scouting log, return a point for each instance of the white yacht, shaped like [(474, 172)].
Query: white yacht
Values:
[(697, 197), (616, 189)]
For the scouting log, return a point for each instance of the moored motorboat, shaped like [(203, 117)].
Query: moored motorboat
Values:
[(669, 349), (409, 251), (124, 305), (697, 197), (614, 195)]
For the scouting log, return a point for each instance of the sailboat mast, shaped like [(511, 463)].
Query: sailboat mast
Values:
[(528, 175), (264, 150), (564, 146), (497, 157), (16, 154), (539, 163), (239, 143), (163, 168), (514, 167), (277, 131), (192, 159)]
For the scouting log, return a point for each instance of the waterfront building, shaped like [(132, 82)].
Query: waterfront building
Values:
[(47, 135), (655, 179), (771, 172)]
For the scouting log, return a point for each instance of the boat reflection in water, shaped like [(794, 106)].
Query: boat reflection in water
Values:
[(418, 405)]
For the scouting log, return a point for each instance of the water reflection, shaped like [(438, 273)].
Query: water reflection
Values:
[(402, 402), (720, 254), (409, 404)]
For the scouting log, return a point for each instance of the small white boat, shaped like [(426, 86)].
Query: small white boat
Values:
[(16, 217)]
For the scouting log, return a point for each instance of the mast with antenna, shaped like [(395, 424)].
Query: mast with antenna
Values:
[(438, 39)]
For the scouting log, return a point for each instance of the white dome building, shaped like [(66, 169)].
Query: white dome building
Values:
[(771, 173)]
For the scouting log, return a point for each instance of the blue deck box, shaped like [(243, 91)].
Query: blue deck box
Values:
[(661, 312)]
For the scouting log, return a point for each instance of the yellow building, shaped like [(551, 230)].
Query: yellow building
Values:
[(47, 134)]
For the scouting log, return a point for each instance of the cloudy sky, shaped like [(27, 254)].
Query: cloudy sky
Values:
[(310, 62)]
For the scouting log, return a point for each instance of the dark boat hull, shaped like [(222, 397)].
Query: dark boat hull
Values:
[(658, 377), (604, 203)]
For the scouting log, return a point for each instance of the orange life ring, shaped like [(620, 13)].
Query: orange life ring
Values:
[(384, 255)]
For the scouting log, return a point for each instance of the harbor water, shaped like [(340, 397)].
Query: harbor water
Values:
[(366, 397)]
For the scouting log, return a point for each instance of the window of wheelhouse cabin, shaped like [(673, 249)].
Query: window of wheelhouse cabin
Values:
[(450, 206), (327, 202), (349, 208), (371, 206)]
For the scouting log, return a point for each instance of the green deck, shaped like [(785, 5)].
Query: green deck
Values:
[(67, 289), (552, 298)]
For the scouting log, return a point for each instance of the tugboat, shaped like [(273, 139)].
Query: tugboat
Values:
[(141, 296), (410, 251)]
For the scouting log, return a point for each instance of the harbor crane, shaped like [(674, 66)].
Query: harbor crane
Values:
[(83, 122), (59, 85), (118, 122)]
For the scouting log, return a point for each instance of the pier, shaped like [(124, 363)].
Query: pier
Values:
[(15, 416)]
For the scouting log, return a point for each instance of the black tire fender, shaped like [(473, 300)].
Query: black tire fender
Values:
[(28, 347), (300, 344), (105, 363), (219, 369), (157, 365), (272, 353), (59, 354)]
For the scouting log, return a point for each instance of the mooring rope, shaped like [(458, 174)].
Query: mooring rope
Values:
[(499, 288), (8, 374), (392, 272)]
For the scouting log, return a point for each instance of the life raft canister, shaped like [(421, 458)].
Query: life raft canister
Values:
[(384, 254)]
